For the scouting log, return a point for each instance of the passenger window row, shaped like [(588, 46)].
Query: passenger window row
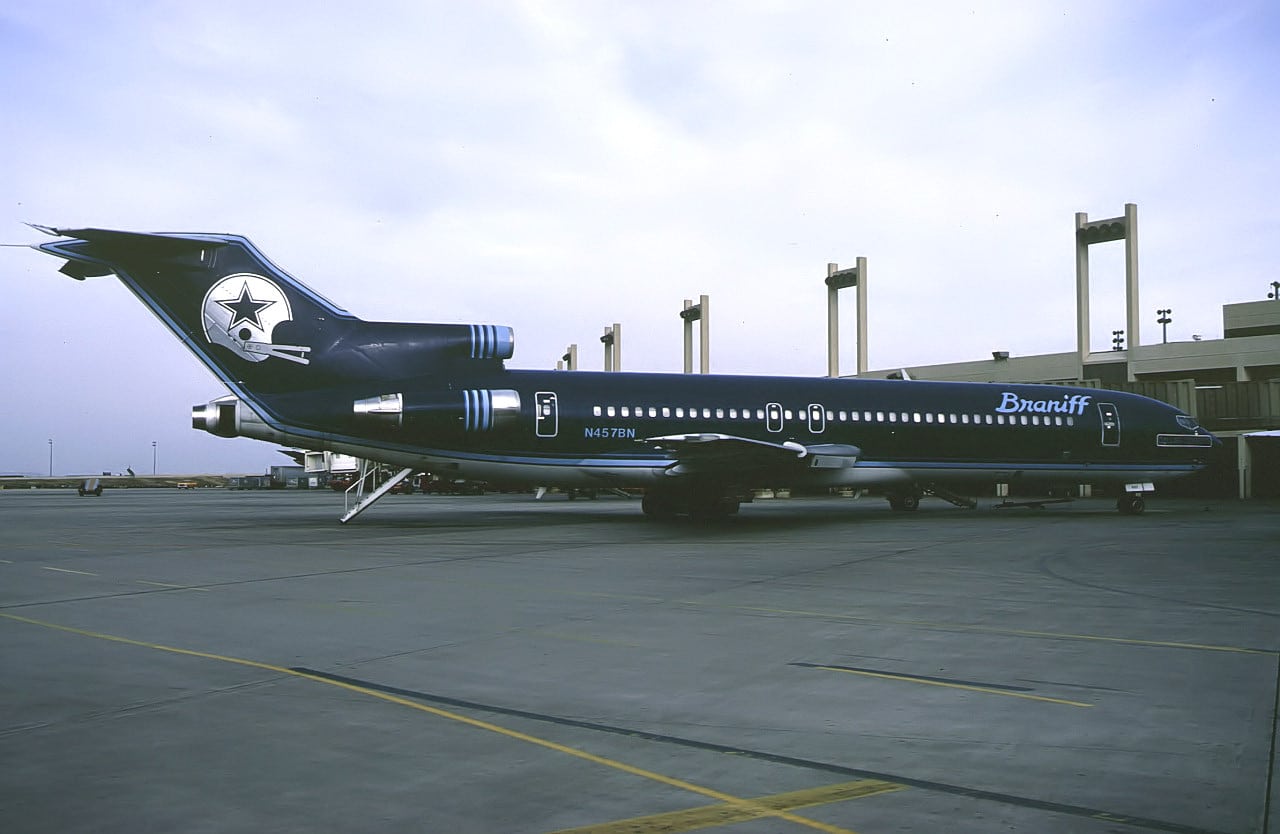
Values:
[(924, 418)]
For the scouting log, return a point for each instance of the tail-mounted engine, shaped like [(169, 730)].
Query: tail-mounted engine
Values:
[(472, 410), (231, 417)]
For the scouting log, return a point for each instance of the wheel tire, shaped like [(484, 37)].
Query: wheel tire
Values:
[(657, 506), (1131, 504)]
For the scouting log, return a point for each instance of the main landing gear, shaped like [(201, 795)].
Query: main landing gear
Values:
[(1131, 503), (700, 504), (904, 502), (908, 500)]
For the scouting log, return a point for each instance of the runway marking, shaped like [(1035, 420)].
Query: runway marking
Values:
[(69, 570), (756, 808), (172, 586), (711, 816), (1016, 632), (948, 684)]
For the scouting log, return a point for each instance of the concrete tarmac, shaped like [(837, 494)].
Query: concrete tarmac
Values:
[(212, 661)]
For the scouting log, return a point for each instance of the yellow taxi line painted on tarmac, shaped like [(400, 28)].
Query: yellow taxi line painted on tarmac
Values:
[(969, 687), (712, 816), (758, 809)]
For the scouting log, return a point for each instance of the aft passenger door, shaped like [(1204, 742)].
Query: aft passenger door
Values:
[(1110, 417)]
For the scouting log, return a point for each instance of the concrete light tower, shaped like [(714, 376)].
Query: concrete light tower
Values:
[(570, 359), (838, 279), (612, 341), (701, 313), (1101, 231)]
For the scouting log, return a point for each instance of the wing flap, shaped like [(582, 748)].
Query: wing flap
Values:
[(726, 454)]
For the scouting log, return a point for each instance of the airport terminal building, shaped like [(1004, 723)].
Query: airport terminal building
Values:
[(1231, 385)]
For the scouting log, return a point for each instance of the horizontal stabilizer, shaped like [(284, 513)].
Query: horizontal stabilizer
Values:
[(81, 270), (160, 244)]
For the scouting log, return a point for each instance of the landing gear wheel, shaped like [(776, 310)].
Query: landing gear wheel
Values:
[(1131, 503), (907, 502), (712, 507), (658, 505)]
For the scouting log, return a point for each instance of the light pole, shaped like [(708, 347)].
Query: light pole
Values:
[(153, 457), (1275, 291), (1117, 340), (1163, 317), (51, 457)]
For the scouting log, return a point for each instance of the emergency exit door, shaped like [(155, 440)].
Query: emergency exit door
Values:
[(773, 416)]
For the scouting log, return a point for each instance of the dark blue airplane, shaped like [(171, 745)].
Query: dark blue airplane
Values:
[(438, 397)]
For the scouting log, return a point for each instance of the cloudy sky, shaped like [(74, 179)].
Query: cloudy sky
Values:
[(559, 166)]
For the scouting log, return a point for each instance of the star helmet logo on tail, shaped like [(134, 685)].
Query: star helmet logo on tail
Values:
[(241, 311)]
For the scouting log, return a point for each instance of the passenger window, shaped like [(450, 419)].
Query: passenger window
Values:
[(719, 413), (880, 416), (596, 410), (679, 412), (733, 414), (1035, 420), (706, 414), (759, 413), (893, 417), (866, 415), (666, 411), (626, 412), (610, 411), (1071, 421), (999, 418), (1024, 419), (831, 415), (928, 418)]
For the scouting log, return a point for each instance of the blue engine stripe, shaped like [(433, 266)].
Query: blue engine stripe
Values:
[(477, 409)]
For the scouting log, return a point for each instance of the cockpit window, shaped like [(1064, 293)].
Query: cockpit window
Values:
[(1187, 422)]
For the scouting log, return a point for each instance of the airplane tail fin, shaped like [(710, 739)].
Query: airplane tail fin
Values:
[(258, 328)]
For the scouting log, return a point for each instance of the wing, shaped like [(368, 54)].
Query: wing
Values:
[(726, 454)]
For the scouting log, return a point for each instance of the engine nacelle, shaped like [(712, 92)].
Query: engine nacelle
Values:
[(231, 417), (472, 410)]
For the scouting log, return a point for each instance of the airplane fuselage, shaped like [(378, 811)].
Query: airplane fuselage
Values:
[(439, 397)]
